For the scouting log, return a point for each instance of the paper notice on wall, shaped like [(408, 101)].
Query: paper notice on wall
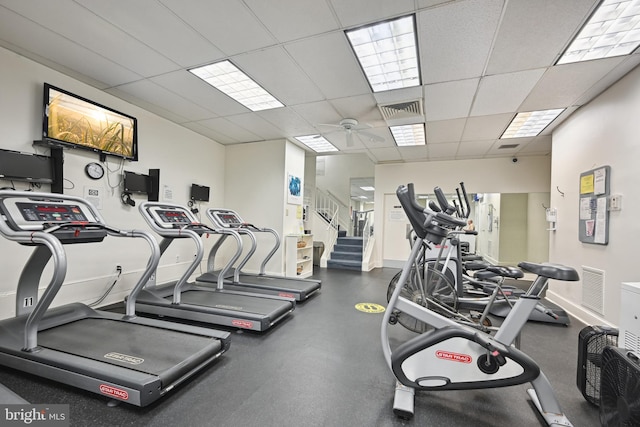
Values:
[(601, 221), (93, 195), (397, 214), (599, 180), (585, 208)]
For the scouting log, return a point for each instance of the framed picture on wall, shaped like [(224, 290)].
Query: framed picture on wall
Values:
[(294, 190)]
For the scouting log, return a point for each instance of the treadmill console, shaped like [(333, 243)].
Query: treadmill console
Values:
[(174, 217), (39, 214), (225, 218)]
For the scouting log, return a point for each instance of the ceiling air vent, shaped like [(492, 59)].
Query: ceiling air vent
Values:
[(402, 110), (505, 146)]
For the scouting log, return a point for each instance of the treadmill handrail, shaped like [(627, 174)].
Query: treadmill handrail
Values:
[(58, 254), (248, 229), (171, 233)]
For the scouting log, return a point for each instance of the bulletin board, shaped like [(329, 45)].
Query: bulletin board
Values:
[(593, 220)]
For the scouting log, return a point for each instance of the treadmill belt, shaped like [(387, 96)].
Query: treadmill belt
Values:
[(139, 347)]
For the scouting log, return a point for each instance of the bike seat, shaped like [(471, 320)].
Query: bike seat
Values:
[(511, 272), (552, 271)]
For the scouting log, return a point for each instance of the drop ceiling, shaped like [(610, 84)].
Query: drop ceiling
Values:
[(482, 61)]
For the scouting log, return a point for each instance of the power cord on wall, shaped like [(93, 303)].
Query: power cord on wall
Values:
[(108, 291)]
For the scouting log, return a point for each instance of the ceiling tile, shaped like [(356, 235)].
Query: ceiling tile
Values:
[(60, 53), (274, 70), (442, 151), (456, 38), (539, 145), (76, 23), (560, 85), (450, 100), (160, 29), (200, 92), (331, 64), (445, 131), (151, 93), (412, 153), (210, 133), (475, 149), (256, 125), (532, 33), (232, 130), (228, 24), (294, 19), (358, 12), (486, 127), (288, 121), (386, 154), (362, 108), (504, 92), (318, 114)]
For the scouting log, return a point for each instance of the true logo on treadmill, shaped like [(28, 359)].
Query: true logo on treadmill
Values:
[(124, 358), (454, 357), (114, 392), (242, 323)]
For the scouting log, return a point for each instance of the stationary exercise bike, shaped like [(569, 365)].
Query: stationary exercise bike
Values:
[(454, 356)]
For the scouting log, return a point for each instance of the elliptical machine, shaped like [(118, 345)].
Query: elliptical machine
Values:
[(453, 356)]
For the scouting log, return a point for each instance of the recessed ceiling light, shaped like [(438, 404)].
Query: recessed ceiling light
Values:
[(368, 188), (228, 79), (530, 123), (388, 53), (408, 135), (317, 143), (612, 30)]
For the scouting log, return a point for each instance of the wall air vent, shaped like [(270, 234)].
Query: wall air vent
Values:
[(593, 289), (402, 110)]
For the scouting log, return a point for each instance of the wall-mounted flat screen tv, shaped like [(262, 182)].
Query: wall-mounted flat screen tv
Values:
[(18, 166), (73, 121), (199, 193), (136, 182)]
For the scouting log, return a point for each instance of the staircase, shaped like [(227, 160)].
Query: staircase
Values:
[(347, 253)]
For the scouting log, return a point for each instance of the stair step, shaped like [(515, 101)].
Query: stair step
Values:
[(347, 248), (345, 265), (351, 256)]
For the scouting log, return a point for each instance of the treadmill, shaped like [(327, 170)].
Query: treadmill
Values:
[(235, 278), (197, 301), (122, 357)]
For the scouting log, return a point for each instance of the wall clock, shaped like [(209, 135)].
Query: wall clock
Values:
[(94, 170)]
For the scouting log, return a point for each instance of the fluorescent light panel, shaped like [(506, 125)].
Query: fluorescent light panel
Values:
[(317, 143), (530, 123), (228, 79), (613, 30), (408, 135), (388, 53)]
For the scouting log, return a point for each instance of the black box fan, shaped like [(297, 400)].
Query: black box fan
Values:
[(591, 341), (620, 388)]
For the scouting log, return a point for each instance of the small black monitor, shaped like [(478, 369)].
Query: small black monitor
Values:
[(199, 193), (136, 182), (18, 166)]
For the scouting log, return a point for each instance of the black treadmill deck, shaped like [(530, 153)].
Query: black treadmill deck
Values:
[(131, 346)]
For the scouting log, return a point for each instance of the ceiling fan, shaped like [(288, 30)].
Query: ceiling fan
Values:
[(351, 126)]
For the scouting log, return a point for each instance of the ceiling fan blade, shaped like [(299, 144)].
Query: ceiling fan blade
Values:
[(333, 125), (371, 137)]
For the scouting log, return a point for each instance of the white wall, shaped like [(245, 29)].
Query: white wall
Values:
[(256, 188), (604, 132), (182, 156), (528, 175)]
